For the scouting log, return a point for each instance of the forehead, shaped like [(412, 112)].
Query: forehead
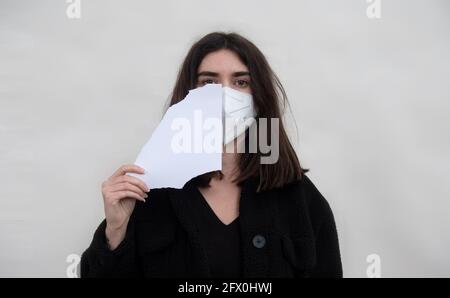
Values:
[(222, 61)]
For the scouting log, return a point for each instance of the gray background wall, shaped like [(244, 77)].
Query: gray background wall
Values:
[(371, 98)]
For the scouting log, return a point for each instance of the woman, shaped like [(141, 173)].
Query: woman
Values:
[(251, 219)]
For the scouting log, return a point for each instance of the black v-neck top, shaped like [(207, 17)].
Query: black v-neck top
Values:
[(221, 242)]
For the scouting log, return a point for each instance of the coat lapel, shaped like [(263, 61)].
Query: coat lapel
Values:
[(184, 212)]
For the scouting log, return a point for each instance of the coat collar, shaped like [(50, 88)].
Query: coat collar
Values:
[(255, 220)]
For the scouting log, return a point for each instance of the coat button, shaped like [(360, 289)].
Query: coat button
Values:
[(259, 241)]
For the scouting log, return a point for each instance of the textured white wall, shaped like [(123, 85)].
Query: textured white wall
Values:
[(371, 99)]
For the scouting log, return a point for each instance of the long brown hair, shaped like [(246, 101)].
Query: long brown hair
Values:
[(268, 96)]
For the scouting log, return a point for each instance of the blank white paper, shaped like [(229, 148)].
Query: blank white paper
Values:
[(164, 166)]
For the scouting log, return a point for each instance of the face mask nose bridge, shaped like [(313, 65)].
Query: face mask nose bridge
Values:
[(238, 108)]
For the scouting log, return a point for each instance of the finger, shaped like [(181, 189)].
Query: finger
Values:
[(133, 180), (115, 197), (128, 186), (128, 169)]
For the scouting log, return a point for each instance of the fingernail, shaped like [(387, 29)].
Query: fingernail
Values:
[(146, 195)]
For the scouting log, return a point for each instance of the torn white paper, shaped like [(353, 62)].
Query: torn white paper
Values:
[(187, 142)]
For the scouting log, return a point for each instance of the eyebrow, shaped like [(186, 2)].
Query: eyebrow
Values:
[(215, 74)]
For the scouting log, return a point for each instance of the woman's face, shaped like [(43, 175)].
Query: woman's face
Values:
[(224, 67)]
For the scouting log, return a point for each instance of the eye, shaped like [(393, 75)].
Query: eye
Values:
[(242, 83), (208, 81)]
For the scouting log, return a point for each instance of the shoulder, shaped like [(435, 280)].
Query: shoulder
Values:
[(304, 194)]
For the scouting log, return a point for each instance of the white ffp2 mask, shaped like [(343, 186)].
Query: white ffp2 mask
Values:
[(238, 113)]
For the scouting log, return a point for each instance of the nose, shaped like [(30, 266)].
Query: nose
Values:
[(226, 83)]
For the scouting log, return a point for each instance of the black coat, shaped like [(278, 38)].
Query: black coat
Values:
[(285, 232)]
